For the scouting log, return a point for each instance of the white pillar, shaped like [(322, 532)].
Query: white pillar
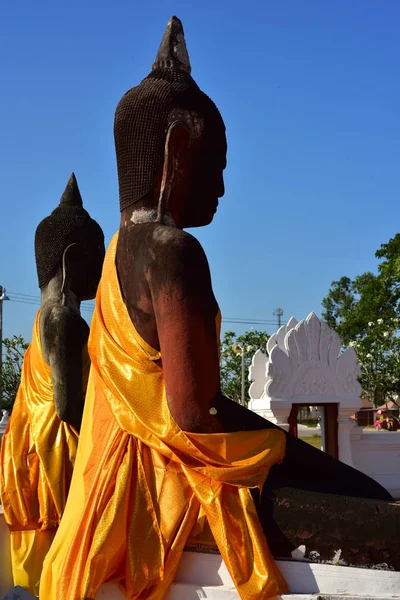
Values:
[(345, 428), (281, 411), (321, 414)]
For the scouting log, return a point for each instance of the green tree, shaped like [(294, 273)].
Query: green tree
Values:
[(13, 354), (351, 304), (378, 352), (365, 312), (389, 268), (231, 361)]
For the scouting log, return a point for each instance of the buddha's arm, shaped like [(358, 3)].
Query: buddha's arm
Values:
[(66, 335), (185, 310)]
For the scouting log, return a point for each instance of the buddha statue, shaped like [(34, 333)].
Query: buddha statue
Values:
[(39, 444), (165, 461)]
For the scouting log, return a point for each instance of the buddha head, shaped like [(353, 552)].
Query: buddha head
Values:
[(69, 243), (170, 141)]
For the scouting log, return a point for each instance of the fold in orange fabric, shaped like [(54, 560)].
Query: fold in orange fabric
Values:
[(38, 449), (141, 483), (37, 457)]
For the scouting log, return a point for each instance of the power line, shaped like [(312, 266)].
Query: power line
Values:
[(37, 302), (20, 296), (246, 319), (250, 322), (36, 297), (33, 300)]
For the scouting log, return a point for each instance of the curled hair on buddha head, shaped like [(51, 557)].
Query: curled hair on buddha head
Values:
[(68, 224), (145, 113)]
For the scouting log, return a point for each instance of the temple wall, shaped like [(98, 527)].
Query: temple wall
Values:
[(377, 454)]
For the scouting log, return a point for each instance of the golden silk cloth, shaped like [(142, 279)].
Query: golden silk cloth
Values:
[(141, 485), (37, 457)]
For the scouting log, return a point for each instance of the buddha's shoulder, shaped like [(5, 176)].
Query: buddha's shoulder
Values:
[(165, 234), (174, 244), (170, 253), (161, 252), (63, 331), (56, 317)]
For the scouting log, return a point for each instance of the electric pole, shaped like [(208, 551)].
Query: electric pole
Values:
[(242, 352), (3, 296), (278, 313)]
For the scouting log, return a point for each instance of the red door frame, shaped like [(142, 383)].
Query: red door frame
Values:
[(330, 420)]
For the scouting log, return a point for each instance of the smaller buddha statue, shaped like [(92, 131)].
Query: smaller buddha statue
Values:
[(40, 442)]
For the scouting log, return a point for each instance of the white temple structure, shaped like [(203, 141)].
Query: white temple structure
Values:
[(306, 365)]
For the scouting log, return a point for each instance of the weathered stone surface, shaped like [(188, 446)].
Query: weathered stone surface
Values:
[(333, 529)]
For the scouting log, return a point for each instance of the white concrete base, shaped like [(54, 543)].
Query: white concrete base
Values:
[(205, 576)]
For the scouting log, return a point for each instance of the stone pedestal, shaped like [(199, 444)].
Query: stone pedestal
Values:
[(205, 576)]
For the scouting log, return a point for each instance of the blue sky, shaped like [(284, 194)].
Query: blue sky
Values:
[(310, 93)]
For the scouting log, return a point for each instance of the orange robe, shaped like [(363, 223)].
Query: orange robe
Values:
[(141, 484), (37, 457)]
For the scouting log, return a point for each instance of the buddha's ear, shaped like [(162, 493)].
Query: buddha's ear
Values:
[(67, 267), (178, 140), (176, 155)]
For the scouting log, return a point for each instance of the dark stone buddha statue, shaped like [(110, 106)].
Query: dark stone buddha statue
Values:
[(69, 250), (39, 445), (171, 154)]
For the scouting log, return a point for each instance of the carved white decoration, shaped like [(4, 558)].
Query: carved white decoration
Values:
[(4, 421), (257, 374), (305, 361), (306, 365), (258, 367), (6, 415), (277, 339)]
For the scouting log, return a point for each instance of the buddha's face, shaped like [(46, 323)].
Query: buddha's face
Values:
[(205, 180)]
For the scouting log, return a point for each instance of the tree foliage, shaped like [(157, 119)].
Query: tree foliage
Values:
[(231, 361), (365, 311), (378, 352), (13, 354)]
